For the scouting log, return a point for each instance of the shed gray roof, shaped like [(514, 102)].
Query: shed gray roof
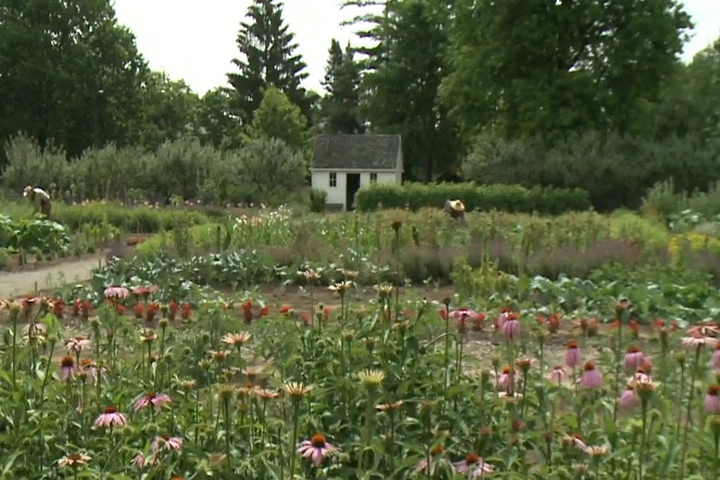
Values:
[(356, 152)]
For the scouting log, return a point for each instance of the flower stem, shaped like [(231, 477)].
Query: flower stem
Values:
[(14, 318), (643, 441), (47, 373), (296, 428), (616, 380), (447, 356), (688, 415)]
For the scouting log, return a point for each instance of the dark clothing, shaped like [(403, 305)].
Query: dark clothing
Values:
[(45, 207)]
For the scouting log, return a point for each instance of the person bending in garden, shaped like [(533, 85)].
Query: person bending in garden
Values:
[(39, 199), (456, 209)]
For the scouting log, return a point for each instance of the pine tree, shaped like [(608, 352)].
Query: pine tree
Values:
[(267, 58), (342, 84)]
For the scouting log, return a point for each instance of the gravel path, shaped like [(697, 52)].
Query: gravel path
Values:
[(16, 284)]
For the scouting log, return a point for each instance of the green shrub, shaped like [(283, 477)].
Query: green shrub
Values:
[(128, 219), (318, 198), (507, 198)]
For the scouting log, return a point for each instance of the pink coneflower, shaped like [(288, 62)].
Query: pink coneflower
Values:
[(67, 368), (93, 370), (110, 418), (429, 469), (462, 313), (310, 274), (572, 355), (715, 360), (511, 327), (502, 317), (156, 400), (74, 460), (166, 442), (141, 461), (316, 449), (145, 290), (697, 342), (506, 377), (634, 358), (558, 374), (590, 378), (34, 328), (76, 344), (629, 399), (712, 399), (574, 441), (474, 466), (116, 292)]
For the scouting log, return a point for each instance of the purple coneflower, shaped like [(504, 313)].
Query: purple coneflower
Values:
[(156, 400), (629, 399), (316, 449), (474, 466), (590, 378), (110, 418), (572, 355), (634, 358), (166, 442), (511, 327), (116, 292), (712, 399), (67, 368)]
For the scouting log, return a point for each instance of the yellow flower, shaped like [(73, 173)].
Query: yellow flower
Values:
[(371, 378)]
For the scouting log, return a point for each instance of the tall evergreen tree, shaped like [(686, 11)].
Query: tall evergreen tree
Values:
[(339, 113), (403, 69), (267, 58)]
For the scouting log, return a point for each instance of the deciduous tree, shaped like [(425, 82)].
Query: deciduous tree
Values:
[(278, 118), (69, 74), (538, 67)]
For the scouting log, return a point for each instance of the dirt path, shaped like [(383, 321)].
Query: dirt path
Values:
[(15, 284)]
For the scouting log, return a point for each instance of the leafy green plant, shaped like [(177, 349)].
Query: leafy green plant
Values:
[(505, 198), (318, 199), (33, 235)]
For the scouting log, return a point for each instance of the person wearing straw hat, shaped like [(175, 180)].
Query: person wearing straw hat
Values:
[(456, 209), (39, 199)]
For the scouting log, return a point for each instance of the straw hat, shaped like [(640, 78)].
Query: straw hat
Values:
[(28, 190), (457, 205)]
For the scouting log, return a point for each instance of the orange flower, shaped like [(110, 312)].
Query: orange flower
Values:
[(185, 311)]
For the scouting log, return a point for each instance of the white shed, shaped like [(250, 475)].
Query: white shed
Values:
[(342, 163)]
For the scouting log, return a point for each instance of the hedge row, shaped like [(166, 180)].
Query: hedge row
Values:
[(507, 198), (128, 219)]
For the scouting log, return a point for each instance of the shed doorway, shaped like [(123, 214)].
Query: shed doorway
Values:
[(352, 185)]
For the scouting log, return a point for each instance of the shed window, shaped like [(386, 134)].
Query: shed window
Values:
[(333, 179), (373, 177)]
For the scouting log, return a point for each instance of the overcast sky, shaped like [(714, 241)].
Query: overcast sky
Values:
[(195, 40)]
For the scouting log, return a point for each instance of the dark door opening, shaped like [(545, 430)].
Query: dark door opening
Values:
[(352, 185)]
